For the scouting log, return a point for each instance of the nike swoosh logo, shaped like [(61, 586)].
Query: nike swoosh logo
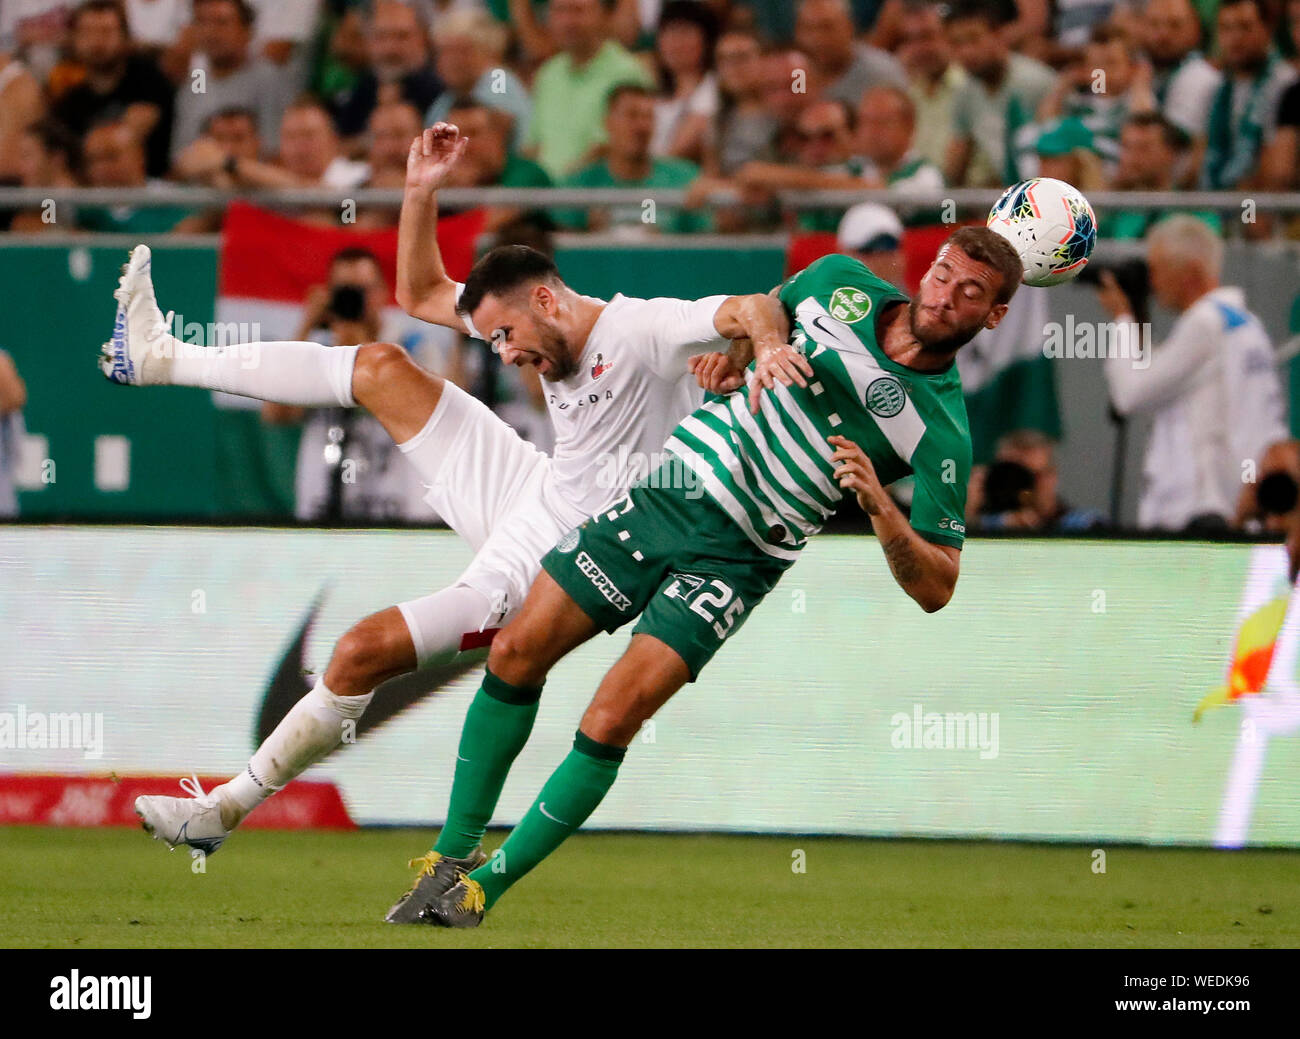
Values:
[(831, 332), (542, 808), (288, 686), (459, 758)]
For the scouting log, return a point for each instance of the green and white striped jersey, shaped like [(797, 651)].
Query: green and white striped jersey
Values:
[(771, 472)]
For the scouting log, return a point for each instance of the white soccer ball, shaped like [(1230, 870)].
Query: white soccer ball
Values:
[(1051, 225)]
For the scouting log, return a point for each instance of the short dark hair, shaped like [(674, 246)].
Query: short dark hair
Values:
[(503, 270), (57, 139), (1175, 137), (309, 102), (992, 250), (99, 7), (1260, 7), (621, 90), (245, 10), (352, 253), (231, 112), (995, 15)]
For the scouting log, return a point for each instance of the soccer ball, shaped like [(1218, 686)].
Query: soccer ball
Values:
[(1051, 225)]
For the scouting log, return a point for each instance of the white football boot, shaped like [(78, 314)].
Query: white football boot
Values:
[(194, 821), (142, 348)]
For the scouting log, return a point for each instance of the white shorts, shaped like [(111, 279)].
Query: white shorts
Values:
[(496, 491)]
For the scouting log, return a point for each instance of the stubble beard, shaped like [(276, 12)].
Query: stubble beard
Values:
[(938, 344)]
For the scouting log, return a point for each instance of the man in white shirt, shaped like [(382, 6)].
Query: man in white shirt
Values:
[(616, 376), (1184, 81), (1211, 387)]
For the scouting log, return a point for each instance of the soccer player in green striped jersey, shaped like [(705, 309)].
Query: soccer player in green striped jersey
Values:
[(864, 392)]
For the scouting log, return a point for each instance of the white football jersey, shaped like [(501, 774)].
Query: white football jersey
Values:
[(1216, 402), (613, 415)]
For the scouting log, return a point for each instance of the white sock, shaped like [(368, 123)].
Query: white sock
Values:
[(314, 726), (305, 374)]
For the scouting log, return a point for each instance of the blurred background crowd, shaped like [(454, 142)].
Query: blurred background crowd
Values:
[(749, 95)]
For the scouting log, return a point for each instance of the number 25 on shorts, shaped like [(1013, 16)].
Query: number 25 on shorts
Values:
[(707, 602)]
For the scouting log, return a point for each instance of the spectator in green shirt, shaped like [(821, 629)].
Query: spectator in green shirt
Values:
[(113, 156), (1152, 151), (629, 163), (570, 89)]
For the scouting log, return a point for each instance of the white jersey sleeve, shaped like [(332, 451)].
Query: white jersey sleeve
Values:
[(469, 325), (675, 330)]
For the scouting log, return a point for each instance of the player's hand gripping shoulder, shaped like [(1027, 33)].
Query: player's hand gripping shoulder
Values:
[(925, 571), (759, 328)]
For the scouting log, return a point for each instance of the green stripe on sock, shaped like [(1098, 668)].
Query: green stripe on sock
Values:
[(494, 733), (604, 751), (507, 693), (565, 803)]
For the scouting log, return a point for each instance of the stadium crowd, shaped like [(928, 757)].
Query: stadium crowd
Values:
[(754, 96)]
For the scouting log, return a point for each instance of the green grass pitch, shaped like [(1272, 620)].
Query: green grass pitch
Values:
[(118, 889)]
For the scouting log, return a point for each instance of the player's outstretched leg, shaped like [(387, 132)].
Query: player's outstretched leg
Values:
[(378, 648), (143, 352), (642, 680), (497, 725), (379, 377)]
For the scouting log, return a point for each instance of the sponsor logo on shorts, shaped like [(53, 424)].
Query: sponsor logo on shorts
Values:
[(603, 584), (956, 526), (886, 397), (683, 586), (849, 305), (568, 542)]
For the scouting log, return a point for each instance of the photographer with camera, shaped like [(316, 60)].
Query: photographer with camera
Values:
[(1268, 502), (1018, 491), (1211, 387), (348, 466)]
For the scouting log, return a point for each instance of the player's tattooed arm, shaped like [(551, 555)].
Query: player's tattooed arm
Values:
[(423, 287), (925, 571)]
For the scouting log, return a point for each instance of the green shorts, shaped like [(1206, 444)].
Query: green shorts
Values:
[(672, 555)]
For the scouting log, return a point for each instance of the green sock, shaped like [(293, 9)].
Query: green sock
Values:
[(496, 728), (568, 798)]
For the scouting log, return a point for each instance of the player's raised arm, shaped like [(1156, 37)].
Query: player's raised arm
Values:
[(925, 571), (423, 288)]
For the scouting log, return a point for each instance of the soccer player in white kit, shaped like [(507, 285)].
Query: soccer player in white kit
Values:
[(617, 381)]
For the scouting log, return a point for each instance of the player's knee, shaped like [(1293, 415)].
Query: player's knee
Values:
[(614, 727), (377, 365), (365, 655), (617, 719), (515, 657)]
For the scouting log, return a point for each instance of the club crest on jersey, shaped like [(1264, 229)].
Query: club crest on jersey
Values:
[(849, 305), (886, 396), (600, 368), (568, 542)]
